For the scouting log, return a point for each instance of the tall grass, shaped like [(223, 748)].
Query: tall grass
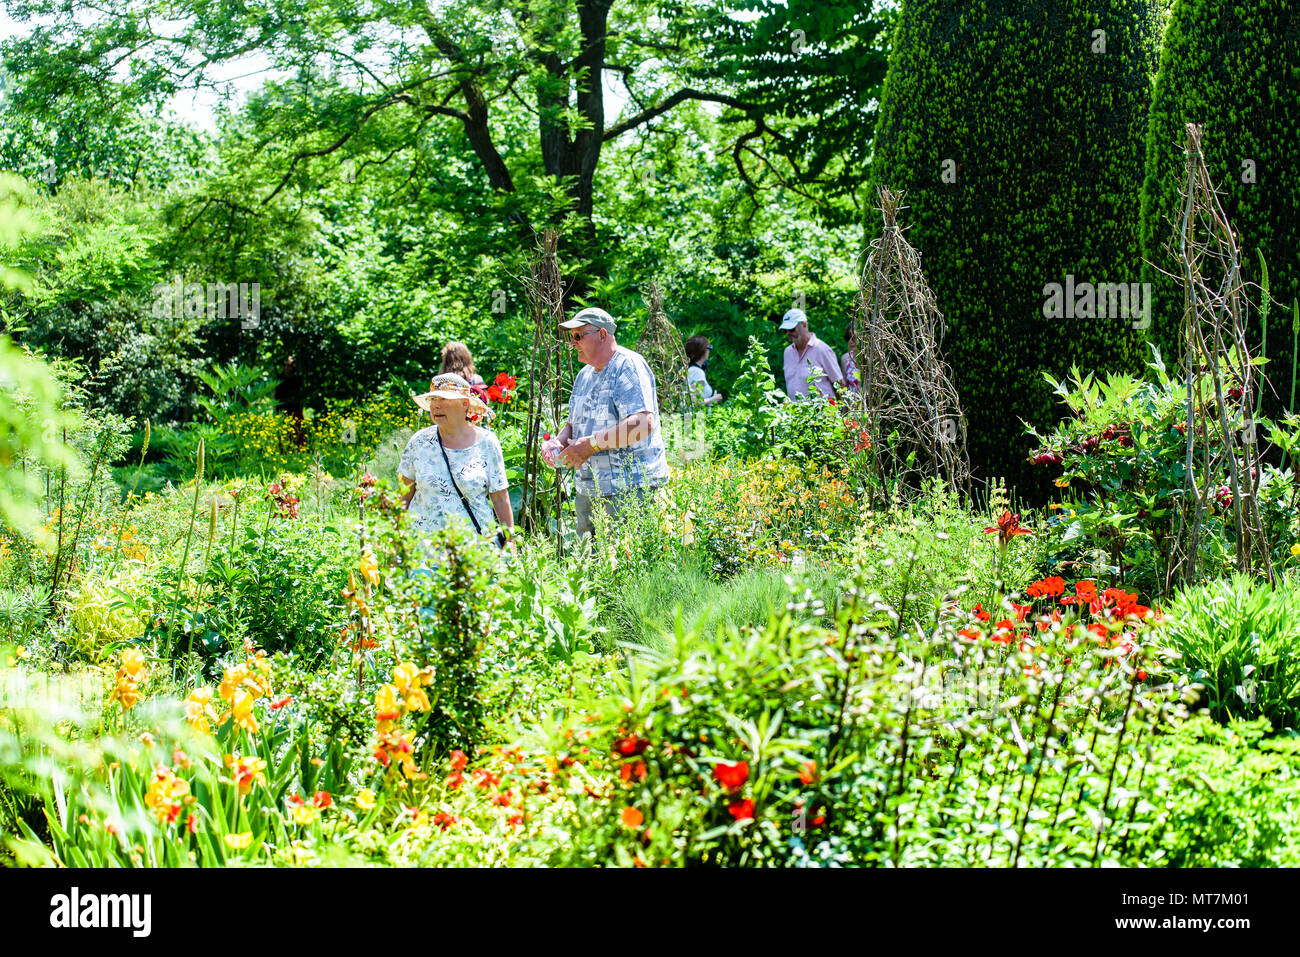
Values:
[(646, 612)]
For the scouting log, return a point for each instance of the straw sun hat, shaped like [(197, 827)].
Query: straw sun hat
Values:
[(451, 386)]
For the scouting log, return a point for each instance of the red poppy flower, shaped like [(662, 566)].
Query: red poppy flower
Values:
[(741, 810), (1046, 587), (322, 799), (731, 776), (455, 780), (970, 634), (281, 703), (1021, 610), (979, 612), (459, 761)]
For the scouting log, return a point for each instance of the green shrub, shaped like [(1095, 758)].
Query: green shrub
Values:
[(1232, 66), (1238, 638), (1017, 143)]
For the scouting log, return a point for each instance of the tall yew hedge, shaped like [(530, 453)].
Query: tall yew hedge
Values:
[(1234, 67), (1039, 122)]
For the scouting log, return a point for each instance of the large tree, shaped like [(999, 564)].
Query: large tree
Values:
[(486, 66), (1016, 132)]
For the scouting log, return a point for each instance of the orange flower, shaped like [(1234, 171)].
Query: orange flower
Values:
[(631, 817)]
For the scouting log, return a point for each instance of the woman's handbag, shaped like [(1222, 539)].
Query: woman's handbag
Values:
[(500, 536)]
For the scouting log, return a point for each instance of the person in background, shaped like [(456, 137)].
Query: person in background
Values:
[(697, 355), (612, 440), (456, 360), (805, 353), (848, 362)]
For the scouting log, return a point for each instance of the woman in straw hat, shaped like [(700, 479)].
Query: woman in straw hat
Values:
[(454, 468)]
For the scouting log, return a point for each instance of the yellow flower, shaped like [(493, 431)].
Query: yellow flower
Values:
[(408, 681), (233, 678), (166, 795), (239, 842), (198, 709), (246, 771), (241, 710), (23, 653), (305, 814), (1295, 549), (366, 799), (369, 567), (388, 705), (131, 665), (127, 694), (1062, 482)]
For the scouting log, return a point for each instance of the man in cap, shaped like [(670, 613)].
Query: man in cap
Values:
[(805, 353), (612, 439)]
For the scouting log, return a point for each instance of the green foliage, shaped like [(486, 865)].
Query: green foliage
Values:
[(1232, 67), (1018, 144), (1123, 453), (1237, 638), (1227, 798), (742, 748)]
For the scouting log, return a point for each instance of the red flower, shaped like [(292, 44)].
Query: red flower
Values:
[(1046, 587), (631, 745), (281, 703), (494, 393), (627, 771), (970, 634), (731, 776), (506, 382), (444, 820), (459, 761), (1021, 610), (741, 810), (192, 823), (1008, 527), (322, 799), (455, 780), (1005, 632), (808, 773), (979, 612)]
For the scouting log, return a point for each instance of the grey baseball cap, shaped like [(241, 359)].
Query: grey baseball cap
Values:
[(591, 316), (792, 319)]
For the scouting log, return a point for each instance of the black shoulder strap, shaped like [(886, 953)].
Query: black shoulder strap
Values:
[(452, 475)]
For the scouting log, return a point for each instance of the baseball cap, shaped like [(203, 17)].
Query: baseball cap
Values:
[(593, 316), (792, 319)]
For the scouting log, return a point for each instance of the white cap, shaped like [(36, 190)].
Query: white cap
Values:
[(792, 319)]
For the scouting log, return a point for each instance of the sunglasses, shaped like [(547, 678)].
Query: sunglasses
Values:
[(577, 337)]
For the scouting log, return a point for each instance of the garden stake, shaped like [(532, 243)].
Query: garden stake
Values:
[(1038, 770), (185, 557), (100, 449), (121, 528), (58, 548), (1110, 780)]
